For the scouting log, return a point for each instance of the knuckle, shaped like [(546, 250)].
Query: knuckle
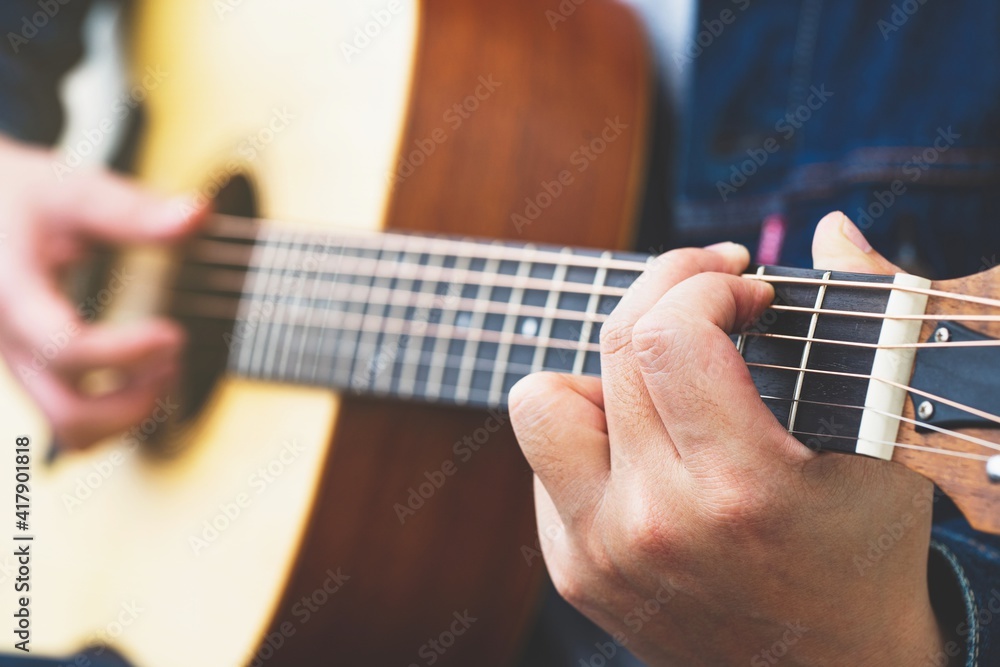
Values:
[(616, 335), (659, 341), (647, 534), (733, 503), (527, 397), (647, 529)]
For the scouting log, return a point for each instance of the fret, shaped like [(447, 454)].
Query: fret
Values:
[(270, 308), (281, 320), (806, 349), (551, 302), (346, 341), (440, 353), (372, 334), (313, 268), (741, 339), (250, 310), (474, 340), (508, 328), (318, 282), (300, 273), (423, 314), (591, 313), (393, 345)]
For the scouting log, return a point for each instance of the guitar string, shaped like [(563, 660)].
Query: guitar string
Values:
[(484, 364), (491, 336), (916, 422), (377, 268), (932, 450), (209, 305), (233, 281), (862, 376), (497, 250), (520, 368)]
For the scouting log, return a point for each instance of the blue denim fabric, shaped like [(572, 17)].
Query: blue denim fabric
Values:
[(39, 42), (897, 76)]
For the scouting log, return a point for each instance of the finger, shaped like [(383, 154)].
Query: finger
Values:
[(79, 421), (105, 207), (629, 406), (560, 425), (44, 327), (838, 245), (126, 348), (696, 378)]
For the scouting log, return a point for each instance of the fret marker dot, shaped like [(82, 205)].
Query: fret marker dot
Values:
[(529, 327)]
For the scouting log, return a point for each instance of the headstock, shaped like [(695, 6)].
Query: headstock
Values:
[(963, 477)]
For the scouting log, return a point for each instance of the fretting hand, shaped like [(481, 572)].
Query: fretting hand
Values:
[(676, 512)]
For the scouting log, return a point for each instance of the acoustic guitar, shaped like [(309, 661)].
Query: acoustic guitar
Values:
[(262, 521), (236, 530)]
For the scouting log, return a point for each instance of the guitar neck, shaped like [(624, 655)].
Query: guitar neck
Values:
[(458, 322)]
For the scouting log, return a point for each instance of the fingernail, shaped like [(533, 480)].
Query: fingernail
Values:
[(729, 249), (854, 235)]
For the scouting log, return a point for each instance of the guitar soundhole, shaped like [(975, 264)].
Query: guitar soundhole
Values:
[(207, 309)]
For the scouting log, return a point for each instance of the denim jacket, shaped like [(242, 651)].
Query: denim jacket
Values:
[(887, 110)]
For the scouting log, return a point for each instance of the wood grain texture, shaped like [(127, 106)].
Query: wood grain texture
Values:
[(963, 480)]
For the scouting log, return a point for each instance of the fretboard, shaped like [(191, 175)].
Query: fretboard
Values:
[(439, 320), (458, 322)]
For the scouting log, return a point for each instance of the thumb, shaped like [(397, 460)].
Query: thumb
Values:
[(109, 208), (838, 245)]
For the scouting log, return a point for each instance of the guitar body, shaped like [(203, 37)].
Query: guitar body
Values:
[(272, 534)]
